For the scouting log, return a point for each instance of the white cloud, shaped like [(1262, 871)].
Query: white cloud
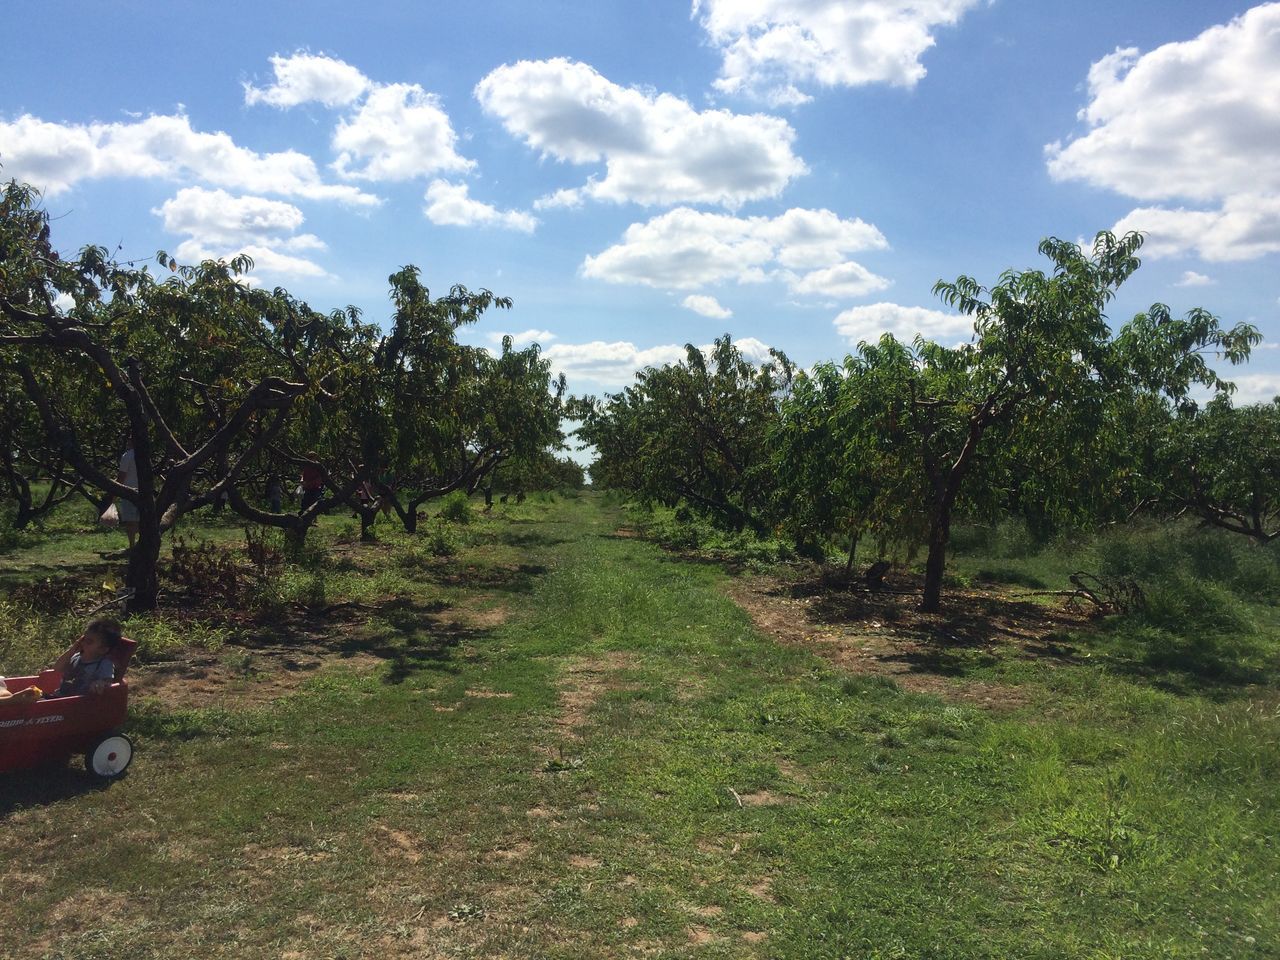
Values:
[(55, 157), (771, 47), (218, 225), (1246, 227), (684, 249), (707, 306), (1193, 279), (1255, 387), (872, 321), (399, 132), (449, 204), (524, 337), (218, 217), (1193, 121), (843, 281), (265, 259), (614, 364), (819, 238), (656, 148), (304, 77)]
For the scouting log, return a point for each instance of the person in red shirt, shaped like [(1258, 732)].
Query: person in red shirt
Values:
[(312, 485)]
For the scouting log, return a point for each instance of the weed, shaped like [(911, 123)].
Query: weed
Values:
[(441, 541), (456, 508), (159, 636)]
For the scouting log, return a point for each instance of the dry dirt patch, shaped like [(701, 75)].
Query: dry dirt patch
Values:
[(390, 841), (868, 632), (760, 798), (584, 682), (235, 676)]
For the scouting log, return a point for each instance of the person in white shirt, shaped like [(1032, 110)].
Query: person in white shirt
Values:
[(128, 475)]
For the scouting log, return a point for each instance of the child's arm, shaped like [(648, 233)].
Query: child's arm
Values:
[(64, 661), (23, 695)]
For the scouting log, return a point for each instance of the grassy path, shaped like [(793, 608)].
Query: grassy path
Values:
[(624, 767)]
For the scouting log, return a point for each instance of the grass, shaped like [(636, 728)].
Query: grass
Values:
[(624, 766)]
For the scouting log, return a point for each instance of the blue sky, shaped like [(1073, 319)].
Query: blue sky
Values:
[(637, 176)]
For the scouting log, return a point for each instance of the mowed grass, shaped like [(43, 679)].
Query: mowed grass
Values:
[(625, 767)]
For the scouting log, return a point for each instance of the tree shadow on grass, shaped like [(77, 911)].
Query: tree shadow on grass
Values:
[(1215, 666), (532, 538), (410, 642), (977, 628), (82, 577), (505, 578)]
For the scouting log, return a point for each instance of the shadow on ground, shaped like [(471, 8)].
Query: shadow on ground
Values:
[(45, 785)]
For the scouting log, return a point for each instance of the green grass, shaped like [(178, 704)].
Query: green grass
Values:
[(626, 767)]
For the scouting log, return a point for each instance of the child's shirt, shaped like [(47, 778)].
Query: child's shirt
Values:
[(81, 675)]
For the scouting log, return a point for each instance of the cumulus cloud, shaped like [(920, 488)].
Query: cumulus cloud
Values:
[(684, 249), (524, 337), (1193, 279), (614, 364), (1255, 388), (399, 132), (707, 306), (1194, 121), (305, 78), (844, 281), (1247, 226), (655, 147), (55, 157), (218, 225), (874, 320), (771, 48), (449, 204)]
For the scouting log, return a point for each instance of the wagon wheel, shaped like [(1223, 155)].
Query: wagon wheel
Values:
[(110, 756)]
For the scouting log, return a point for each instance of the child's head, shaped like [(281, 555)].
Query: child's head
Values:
[(103, 635)]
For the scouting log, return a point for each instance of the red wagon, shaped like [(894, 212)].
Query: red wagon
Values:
[(34, 733)]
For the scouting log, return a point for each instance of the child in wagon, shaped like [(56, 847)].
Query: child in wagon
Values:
[(87, 666)]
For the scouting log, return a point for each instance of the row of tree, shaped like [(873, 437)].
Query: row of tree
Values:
[(1045, 413), (229, 390)]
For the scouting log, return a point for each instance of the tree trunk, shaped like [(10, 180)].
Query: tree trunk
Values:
[(939, 534), (142, 575), (24, 515), (367, 517), (853, 550)]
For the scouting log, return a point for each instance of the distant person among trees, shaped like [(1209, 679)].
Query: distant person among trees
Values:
[(387, 489), (126, 509), (86, 666), (275, 495), (312, 483)]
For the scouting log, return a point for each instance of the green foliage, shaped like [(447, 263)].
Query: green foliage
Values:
[(1036, 416), (456, 508), (229, 389), (693, 431), (1221, 463), (687, 531), (440, 541)]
